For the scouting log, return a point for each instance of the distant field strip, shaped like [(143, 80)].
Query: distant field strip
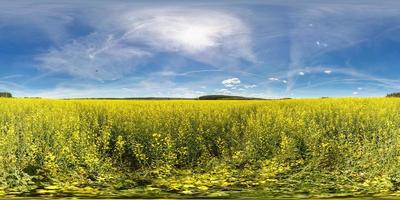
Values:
[(199, 148)]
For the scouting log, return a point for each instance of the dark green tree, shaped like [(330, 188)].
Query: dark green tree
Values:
[(395, 94), (5, 94)]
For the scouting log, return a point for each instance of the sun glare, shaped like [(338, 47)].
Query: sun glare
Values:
[(197, 37)]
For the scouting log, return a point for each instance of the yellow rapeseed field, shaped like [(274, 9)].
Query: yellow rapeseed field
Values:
[(199, 148)]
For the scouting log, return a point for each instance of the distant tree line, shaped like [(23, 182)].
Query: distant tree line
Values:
[(5, 94), (226, 97), (395, 94)]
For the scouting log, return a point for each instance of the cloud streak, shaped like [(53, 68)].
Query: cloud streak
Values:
[(321, 28), (94, 57), (124, 41)]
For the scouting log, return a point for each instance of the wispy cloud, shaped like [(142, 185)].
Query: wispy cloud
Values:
[(273, 79), (324, 27), (94, 57), (250, 86), (13, 76), (223, 91), (134, 87), (121, 43), (173, 73), (350, 77)]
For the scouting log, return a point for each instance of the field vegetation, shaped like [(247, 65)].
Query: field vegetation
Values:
[(312, 147)]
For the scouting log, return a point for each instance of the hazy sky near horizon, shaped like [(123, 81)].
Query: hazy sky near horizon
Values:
[(265, 48)]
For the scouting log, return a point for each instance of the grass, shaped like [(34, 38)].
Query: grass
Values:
[(91, 148)]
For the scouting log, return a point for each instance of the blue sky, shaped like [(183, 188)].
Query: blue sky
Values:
[(267, 49)]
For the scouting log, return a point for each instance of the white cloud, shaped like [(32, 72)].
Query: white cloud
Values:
[(231, 82), (249, 86), (284, 81), (223, 91), (301, 73), (360, 88), (273, 79), (355, 93), (318, 43), (328, 71)]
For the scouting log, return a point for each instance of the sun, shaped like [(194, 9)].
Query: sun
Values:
[(197, 37)]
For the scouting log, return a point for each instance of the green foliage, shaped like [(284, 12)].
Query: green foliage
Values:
[(395, 94), (5, 94), (199, 148)]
